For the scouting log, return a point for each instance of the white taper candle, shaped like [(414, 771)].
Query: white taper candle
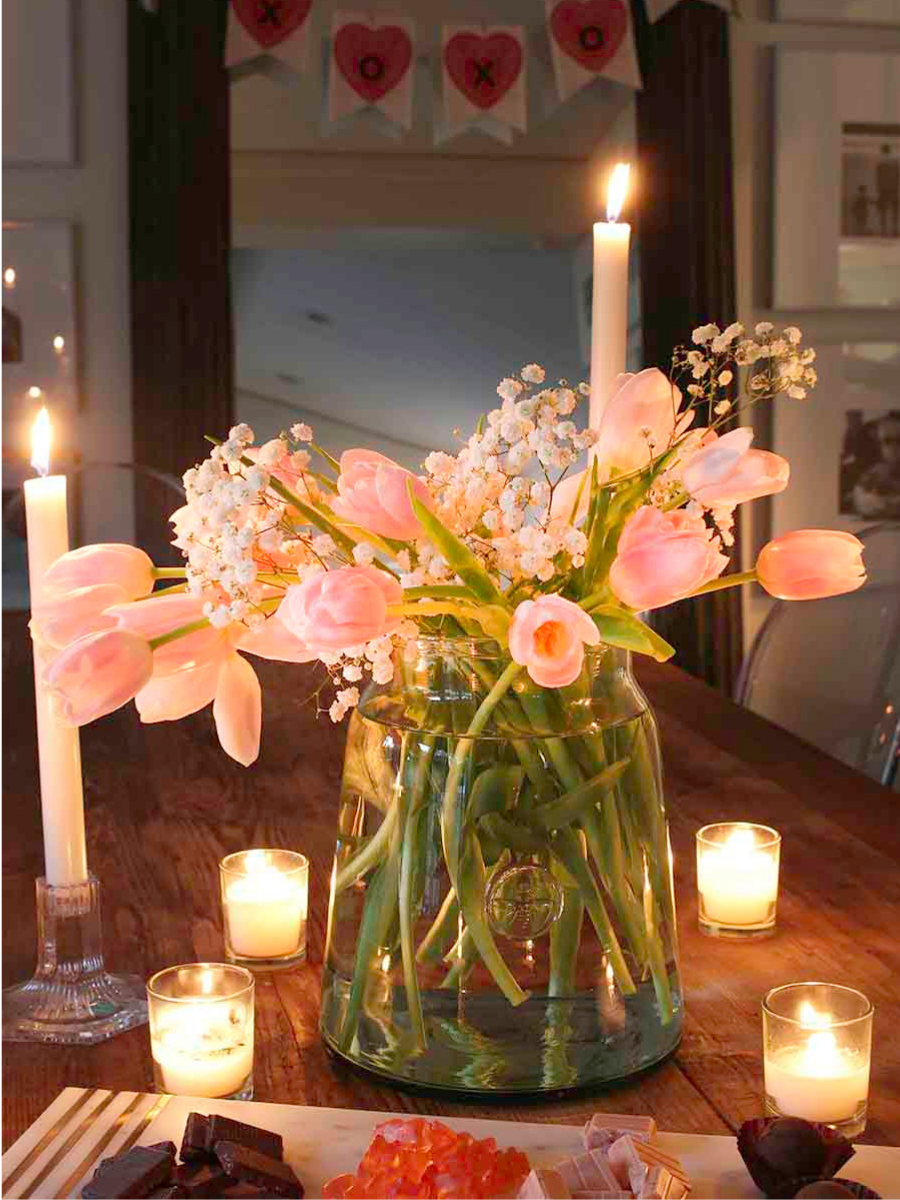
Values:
[(609, 304), (59, 752)]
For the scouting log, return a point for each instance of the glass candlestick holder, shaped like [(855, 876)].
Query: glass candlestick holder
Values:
[(817, 1048), (71, 999), (201, 1030)]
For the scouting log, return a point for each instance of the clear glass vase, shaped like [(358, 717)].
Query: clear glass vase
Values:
[(502, 916)]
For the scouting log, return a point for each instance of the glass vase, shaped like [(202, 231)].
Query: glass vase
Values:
[(501, 915)]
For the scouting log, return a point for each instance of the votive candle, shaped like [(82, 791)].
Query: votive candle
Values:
[(817, 1044), (201, 1030), (737, 879), (265, 895)]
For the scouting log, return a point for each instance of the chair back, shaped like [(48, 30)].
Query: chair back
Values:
[(829, 671)]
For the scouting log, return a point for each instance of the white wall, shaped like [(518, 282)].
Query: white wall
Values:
[(94, 195)]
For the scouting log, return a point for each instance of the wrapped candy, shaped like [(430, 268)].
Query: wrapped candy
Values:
[(605, 1128)]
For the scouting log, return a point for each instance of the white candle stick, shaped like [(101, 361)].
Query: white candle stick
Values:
[(59, 753), (609, 305)]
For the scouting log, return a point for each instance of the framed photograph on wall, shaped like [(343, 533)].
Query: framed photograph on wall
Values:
[(837, 180), (843, 443)]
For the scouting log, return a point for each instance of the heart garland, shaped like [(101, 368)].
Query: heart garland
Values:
[(483, 68), (270, 22), (590, 31), (372, 60)]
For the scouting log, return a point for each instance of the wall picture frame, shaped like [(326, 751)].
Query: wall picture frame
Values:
[(39, 82)]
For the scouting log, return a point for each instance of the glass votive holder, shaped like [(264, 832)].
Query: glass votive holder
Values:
[(817, 1047), (201, 1030), (737, 879), (265, 894)]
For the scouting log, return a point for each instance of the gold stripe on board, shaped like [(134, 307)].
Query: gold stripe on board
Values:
[(89, 1159), (36, 1151), (150, 1115), (67, 1145)]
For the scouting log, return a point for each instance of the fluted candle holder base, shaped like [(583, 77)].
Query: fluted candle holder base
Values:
[(71, 999)]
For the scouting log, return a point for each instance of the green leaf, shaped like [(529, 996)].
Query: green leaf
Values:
[(514, 837), (458, 556), (573, 804), (495, 790), (620, 628), (332, 462)]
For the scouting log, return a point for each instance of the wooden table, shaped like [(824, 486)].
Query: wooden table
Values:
[(164, 804)]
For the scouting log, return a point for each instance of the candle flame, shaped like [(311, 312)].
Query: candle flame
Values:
[(257, 860), (617, 190), (811, 1018), (739, 842), (207, 982), (40, 442)]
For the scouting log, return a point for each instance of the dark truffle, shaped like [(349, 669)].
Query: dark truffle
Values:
[(848, 1187), (779, 1150), (823, 1189)]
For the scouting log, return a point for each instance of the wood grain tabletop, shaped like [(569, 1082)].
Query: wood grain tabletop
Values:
[(164, 804)]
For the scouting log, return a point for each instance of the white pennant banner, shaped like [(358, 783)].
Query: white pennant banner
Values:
[(371, 70), (483, 74), (277, 28), (590, 39)]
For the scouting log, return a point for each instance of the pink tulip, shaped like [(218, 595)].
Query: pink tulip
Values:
[(725, 471), (372, 493), (663, 556), (341, 608), (162, 614), (97, 674), (639, 421), (64, 618), (548, 635), (237, 710), (810, 564), (171, 697), (125, 566), (275, 640)]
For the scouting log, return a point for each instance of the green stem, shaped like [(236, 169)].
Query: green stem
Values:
[(166, 591), (370, 855), (444, 926), (409, 849), (727, 581), (181, 631), (169, 572)]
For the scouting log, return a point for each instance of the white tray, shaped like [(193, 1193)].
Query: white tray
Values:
[(59, 1152)]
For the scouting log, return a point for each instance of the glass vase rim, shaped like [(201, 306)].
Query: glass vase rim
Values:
[(769, 1011), (248, 984), (774, 838), (226, 864), (487, 647)]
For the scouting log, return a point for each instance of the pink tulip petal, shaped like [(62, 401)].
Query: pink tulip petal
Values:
[(109, 562), (171, 697), (237, 710), (97, 674), (71, 615), (274, 640)]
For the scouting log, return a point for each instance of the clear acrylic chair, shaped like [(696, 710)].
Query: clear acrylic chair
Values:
[(829, 670)]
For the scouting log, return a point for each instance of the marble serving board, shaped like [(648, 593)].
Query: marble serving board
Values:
[(58, 1153)]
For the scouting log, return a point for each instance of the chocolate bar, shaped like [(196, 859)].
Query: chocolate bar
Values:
[(589, 1172), (164, 1148), (195, 1144), (249, 1166), (201, 1179), (263, 1141), (605, 1128), (544, 1183), (136, 1173)]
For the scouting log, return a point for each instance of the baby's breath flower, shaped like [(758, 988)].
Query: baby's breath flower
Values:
[(533, 373), (301, 432), (703, 334)]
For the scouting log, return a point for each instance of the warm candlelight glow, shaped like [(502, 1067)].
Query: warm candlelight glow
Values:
[(40, 442), (264, 898), (59, 343), (617, 190), (9, 277), (35, 392), (737, 878)]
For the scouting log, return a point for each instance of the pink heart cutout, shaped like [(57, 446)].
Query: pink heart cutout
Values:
[(483, 68), (590, 31), (271, 21), (373, 61)]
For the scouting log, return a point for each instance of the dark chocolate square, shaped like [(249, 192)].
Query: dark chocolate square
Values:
[(263, 1141), (195, 1145), (249, 1166), (136, 1173)]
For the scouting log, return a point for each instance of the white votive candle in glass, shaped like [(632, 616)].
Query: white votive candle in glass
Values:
[(201, 1030), (737, 879), (264, 904), (817, 1044)]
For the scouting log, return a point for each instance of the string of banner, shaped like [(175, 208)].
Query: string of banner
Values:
[(483, 68)]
